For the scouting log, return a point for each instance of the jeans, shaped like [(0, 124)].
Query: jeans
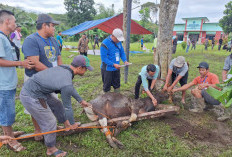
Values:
[(187, 49), (7, 107)]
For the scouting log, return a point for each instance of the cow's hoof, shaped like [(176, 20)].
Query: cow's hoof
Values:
[(118, 143), (117, 131), (126, 124), (111, 142), (133, 117)]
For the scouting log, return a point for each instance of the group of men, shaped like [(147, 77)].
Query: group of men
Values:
[(45, 75), (41, 52)]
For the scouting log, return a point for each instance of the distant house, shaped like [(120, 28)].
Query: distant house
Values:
[(197, 29)]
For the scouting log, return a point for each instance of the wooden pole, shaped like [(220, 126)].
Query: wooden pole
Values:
[(163, 110)]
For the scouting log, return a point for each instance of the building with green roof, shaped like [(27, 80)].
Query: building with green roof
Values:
[(197, 29)]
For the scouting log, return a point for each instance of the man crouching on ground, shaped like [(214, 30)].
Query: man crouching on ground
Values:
[(149, 73), (201, 99), (37, 90)]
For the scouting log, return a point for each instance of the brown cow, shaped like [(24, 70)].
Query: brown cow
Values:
[(113, 105)]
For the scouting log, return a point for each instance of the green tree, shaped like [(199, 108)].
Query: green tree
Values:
[(150, 12), (104, 12), (79, 11), (226, 21)]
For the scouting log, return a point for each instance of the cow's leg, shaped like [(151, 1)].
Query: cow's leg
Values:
[(134, 113), (106, 131), (90, 114)]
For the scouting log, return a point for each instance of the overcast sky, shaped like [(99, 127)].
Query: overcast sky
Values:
[(213, 9)]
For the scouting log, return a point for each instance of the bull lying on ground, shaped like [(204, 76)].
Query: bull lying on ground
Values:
[(113, 105)]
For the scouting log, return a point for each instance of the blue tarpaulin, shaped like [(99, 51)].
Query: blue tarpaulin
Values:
[(107, 25)]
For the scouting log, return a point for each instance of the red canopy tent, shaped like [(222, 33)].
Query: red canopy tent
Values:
[(107, 25)]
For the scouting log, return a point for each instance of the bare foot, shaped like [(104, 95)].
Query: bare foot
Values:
[(38, 138)]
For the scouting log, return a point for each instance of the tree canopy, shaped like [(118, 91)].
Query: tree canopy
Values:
[(226, 21), (79, 11)]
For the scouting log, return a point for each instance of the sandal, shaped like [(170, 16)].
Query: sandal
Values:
[(58, 152), (18, 133), (15, 147)]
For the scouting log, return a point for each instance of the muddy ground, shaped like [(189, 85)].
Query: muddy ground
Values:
[(200, 128)]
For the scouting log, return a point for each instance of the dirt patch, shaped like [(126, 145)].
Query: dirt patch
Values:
[(182, 128)]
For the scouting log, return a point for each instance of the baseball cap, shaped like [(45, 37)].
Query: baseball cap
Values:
[(45, 18), (81, 61), (179, 62), (203, 65), (118, 34)]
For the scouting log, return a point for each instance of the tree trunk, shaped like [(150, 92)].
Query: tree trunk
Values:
[(167, 15), (126, 32)]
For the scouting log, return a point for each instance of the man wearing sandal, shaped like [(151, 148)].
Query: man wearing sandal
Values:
[(37, 90), (42, 48), (8, 77)]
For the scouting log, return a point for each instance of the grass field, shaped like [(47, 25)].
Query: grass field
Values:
[(153, 137)]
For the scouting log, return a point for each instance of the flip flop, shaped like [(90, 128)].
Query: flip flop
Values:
[(57, 153), (18, 133), (16, 148)]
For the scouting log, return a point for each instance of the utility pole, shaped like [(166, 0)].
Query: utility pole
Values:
[(127, 4)]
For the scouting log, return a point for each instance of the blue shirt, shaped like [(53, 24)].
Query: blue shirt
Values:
[(144, 76), (141, 41), (59, 38), (111, 53), (8, 75), (47, 50)]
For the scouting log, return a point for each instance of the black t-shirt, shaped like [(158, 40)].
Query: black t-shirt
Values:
[(220, 41)]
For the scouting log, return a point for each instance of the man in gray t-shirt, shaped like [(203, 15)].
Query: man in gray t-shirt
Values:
[(37, 90), (227, 68), (178, 72)]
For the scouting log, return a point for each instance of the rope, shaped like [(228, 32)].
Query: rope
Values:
[(54, 131)]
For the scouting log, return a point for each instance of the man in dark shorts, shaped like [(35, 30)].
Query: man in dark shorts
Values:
[(178, 72)]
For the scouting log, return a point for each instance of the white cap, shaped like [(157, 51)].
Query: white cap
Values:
[(118, 34)]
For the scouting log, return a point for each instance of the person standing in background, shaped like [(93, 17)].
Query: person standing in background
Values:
[(193, 44), (96, 41), (174, 45), (206, 43), (83, 45), (213, 43), (188, 45), (15, 37), (155, 45), (59, 40), (142, 43), (220, 44)]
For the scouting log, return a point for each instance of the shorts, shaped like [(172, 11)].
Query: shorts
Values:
[(141, 45), (182, 81), (7, 107)]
